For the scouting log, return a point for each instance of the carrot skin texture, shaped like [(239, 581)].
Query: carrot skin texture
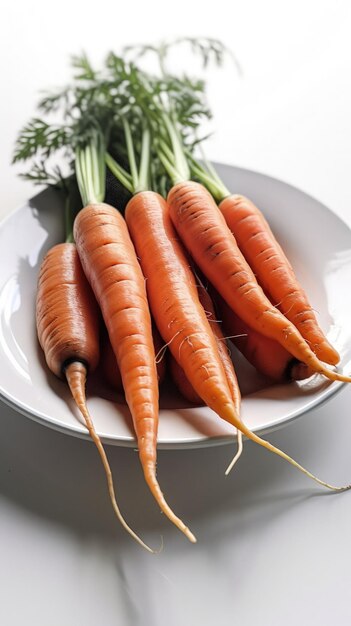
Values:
[(111, 266), (160, 356), (173, 298), (227, 362), (181, 382), (223, 350), (109, 365), (178, 375), (274, 272), (66, 311), (207, 237), (177, 371), (266, 355)]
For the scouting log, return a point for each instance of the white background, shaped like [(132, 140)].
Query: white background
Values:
[(269, 550)]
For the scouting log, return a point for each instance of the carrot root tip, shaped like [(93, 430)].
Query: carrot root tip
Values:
[(189, 535), (237, 455)]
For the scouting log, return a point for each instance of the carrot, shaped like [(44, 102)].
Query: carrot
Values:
[(181, 381), (171, 286), (179, 315), (160, 356), (209, 308), (266, 355), (227, 362), (177, 371), (206, 235), (68, 331), (66, 311), (173, 297), (109, 365), (274, 272), (267, 260), (112, 269)]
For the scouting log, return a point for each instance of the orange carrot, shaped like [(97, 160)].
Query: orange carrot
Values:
[(173, 298), (68, 331), (227, 362), (179, 315), (178, 375), (181, 381), (66, 311), (111, 266), (266, 355), (274, 272), (159, 352), (109, 365), (206, 235)]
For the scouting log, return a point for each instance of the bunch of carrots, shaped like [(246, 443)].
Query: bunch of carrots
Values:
[(183, 255)]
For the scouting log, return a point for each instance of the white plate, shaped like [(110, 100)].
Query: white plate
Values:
[(317, 242)]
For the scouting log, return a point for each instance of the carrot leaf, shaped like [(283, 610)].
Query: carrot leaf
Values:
[(39, 136)]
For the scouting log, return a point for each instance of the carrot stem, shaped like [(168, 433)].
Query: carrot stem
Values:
[(131, 154), (119, 172), (170, 169), (208, 177), (138, 180), (212, 170), (91, 170), (68, 220), (166, 149), (180, 159), (143, 178)]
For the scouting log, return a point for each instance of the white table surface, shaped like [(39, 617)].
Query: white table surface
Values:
[(272, 547)]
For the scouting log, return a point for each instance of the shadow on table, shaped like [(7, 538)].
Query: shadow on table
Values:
[(60, 478)]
